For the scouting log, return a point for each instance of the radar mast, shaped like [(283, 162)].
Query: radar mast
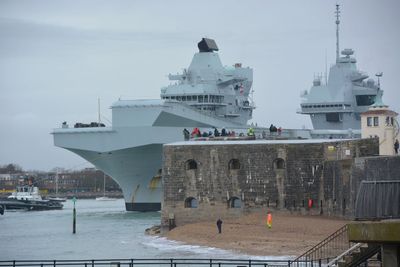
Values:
[(337, 12)]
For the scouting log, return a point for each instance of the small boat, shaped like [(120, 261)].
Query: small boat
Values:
[(27, 197), (104, 198), (56, 198)]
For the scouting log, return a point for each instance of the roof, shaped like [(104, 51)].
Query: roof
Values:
[(380, 112), (378, 102)]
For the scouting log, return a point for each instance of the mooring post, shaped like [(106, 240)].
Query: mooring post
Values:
[(74, 217)]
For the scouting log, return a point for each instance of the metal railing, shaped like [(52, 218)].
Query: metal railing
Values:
[(326, 250), (147, 262)]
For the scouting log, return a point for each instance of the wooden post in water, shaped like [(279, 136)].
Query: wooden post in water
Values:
[(74, 217)]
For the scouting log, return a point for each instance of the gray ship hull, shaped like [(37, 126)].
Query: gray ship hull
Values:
[(136, 172)]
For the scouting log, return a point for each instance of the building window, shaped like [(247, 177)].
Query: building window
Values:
[(234, 202), (279, 163), (234, 164), (191, 202), (369, 121), (376, 121), (191, 164), (389, 121)]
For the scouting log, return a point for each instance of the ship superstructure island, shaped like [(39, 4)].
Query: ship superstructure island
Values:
[(207, 94), (337, 104)]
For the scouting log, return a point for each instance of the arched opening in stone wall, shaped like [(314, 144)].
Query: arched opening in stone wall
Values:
[(279, 164), (191, 164), (234, 202), (234, 164), (191, 202)]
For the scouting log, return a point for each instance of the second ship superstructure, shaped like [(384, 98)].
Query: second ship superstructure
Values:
[(206, 95), (337, 104)]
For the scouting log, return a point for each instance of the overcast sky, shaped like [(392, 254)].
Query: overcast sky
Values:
[(58, 57)]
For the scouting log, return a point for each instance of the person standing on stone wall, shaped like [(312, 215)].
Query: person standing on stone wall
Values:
[(396, 147), (219, 225), (186, 134)]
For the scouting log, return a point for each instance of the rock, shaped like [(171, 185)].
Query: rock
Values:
[(154, 230)]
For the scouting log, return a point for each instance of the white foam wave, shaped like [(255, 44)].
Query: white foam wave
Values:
[(164, 245)]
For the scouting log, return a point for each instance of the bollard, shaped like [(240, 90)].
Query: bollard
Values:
[(74, 217)]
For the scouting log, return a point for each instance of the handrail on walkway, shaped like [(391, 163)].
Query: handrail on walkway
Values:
[(148, 262), (326, 250)]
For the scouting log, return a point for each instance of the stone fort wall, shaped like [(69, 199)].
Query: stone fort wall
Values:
[(205, 180)]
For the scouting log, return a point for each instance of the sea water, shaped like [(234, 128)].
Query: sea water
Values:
[(104, 230)]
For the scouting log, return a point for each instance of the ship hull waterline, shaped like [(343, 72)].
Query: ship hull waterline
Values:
[(137, 172)]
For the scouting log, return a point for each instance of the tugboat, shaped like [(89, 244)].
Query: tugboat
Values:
[(27, 197)]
